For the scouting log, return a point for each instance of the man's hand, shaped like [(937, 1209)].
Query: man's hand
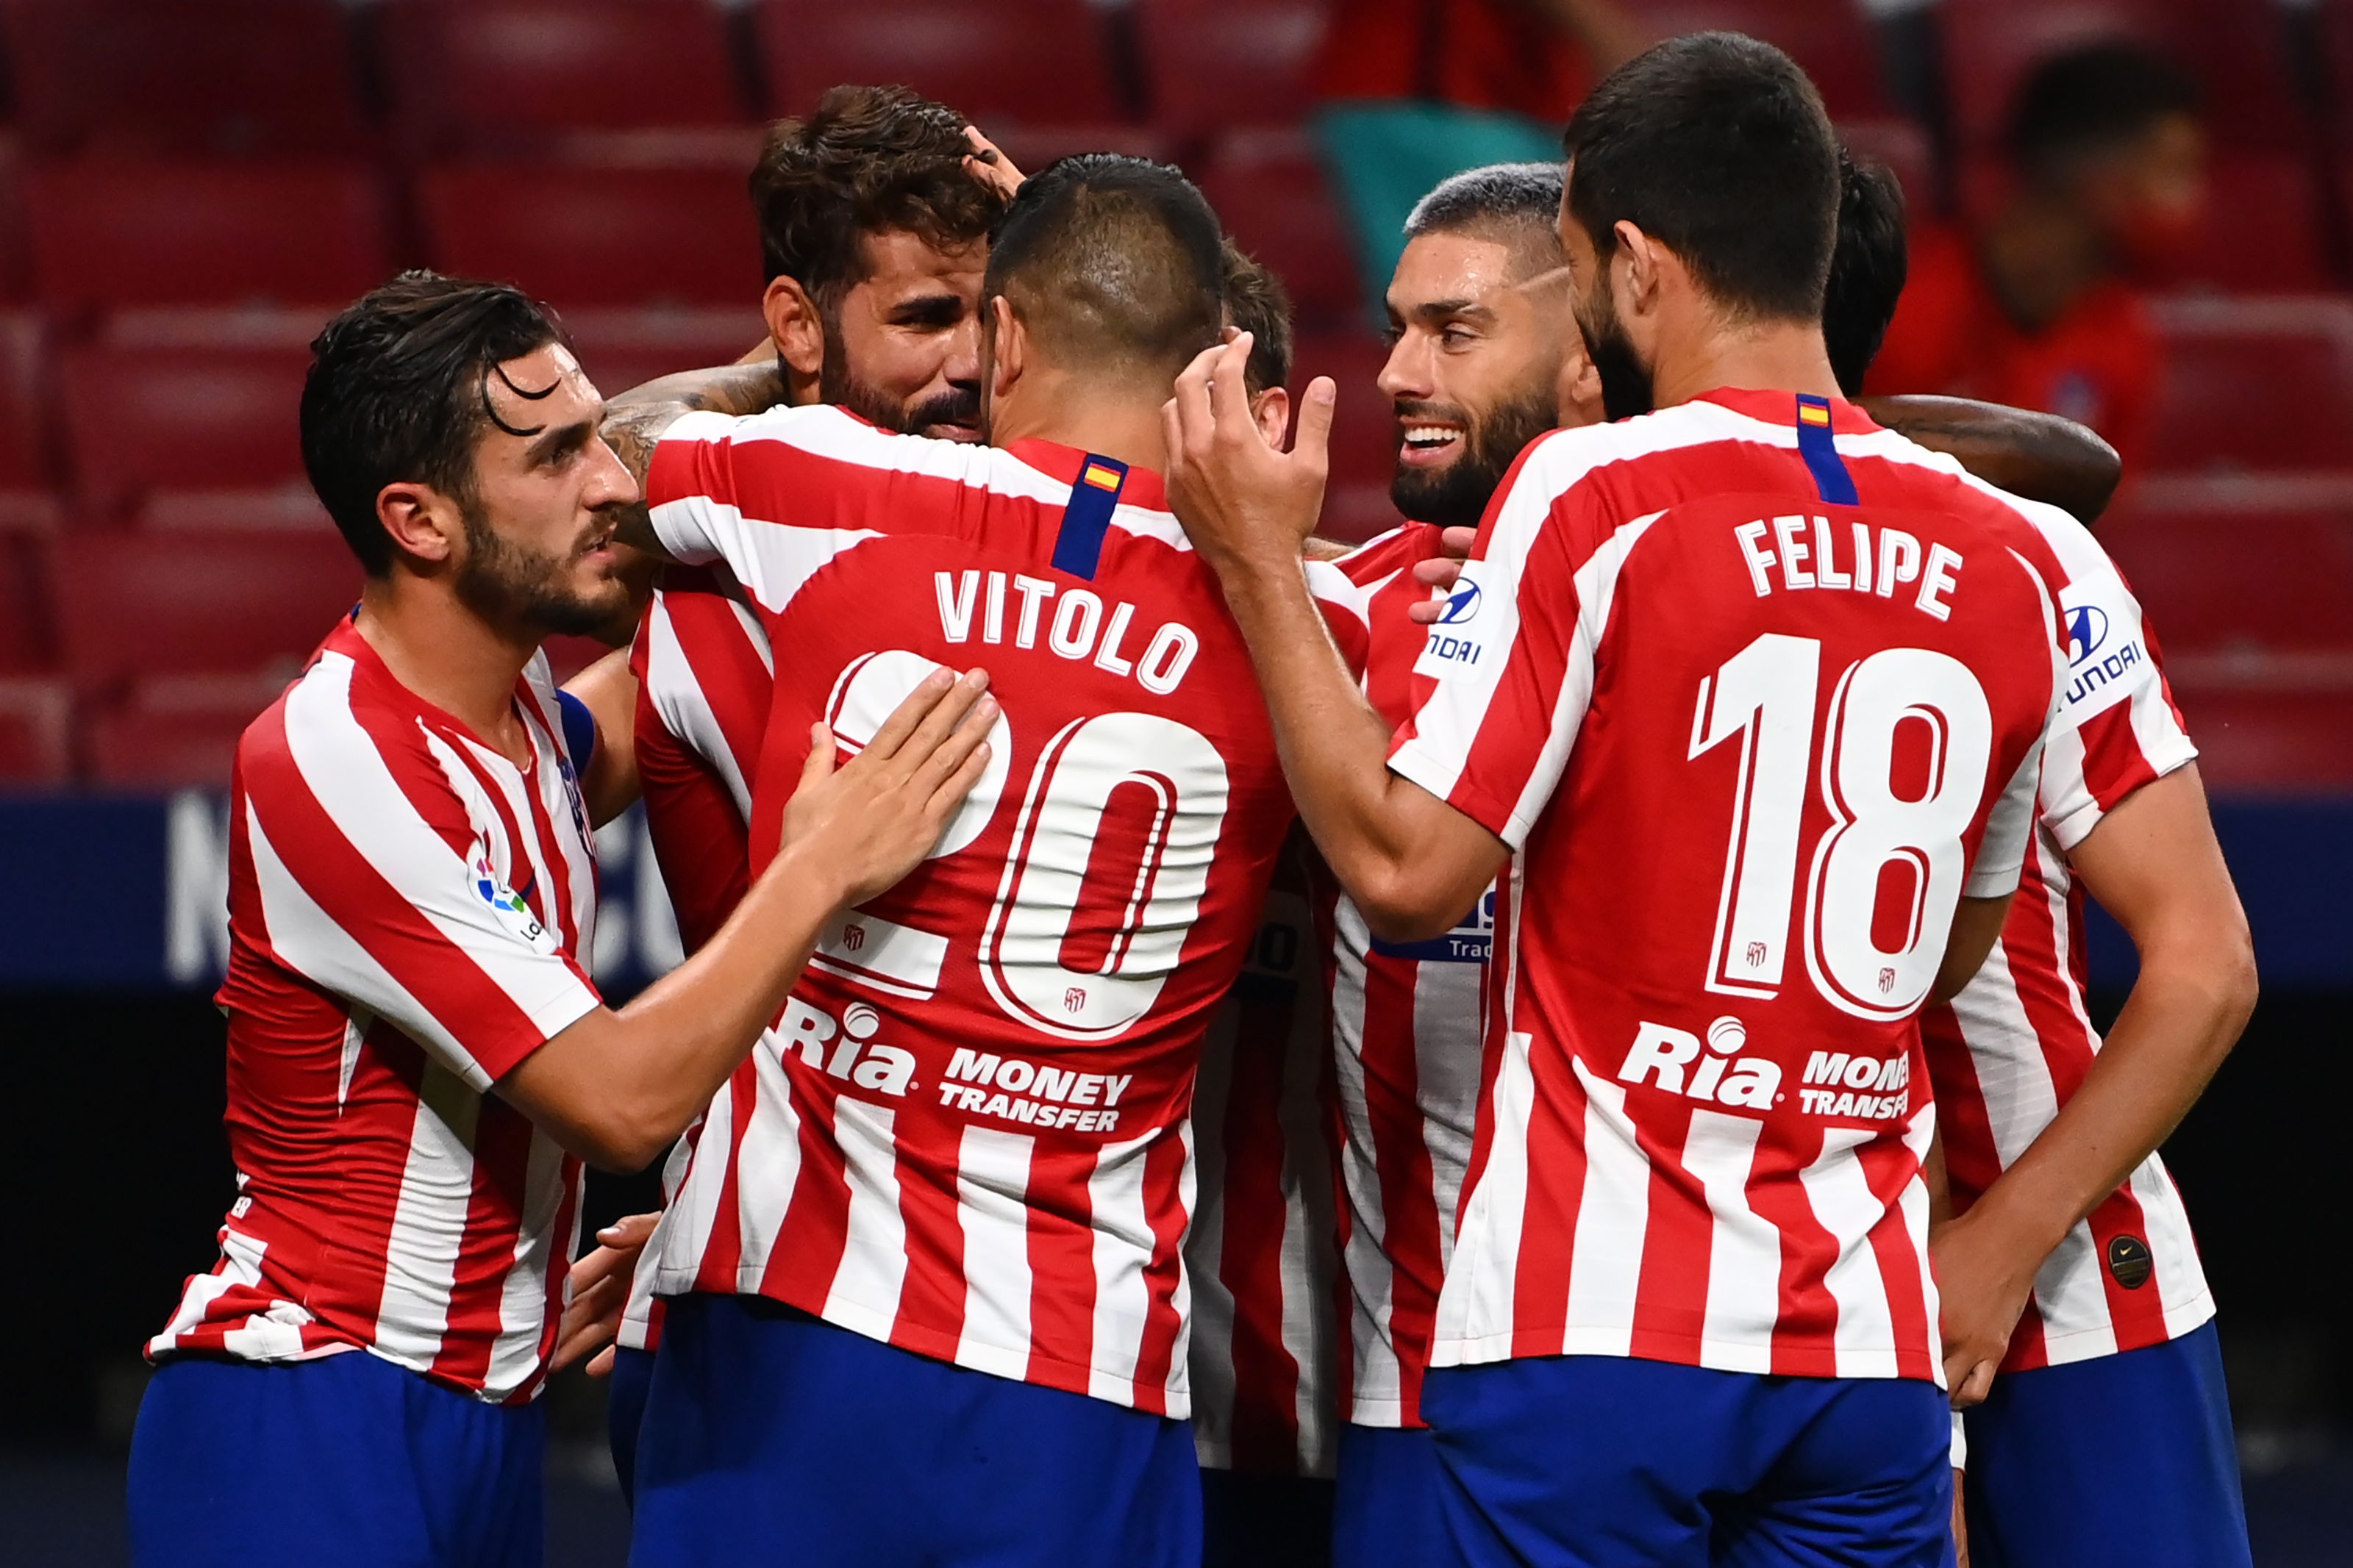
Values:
[(1246, 507), (1440, 572), (878, 816), (600, 1289), (1984, 1276), (988, 163)]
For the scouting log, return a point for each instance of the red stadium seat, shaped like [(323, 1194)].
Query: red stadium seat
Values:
[(2268, 741), (2262, 229), (1269, 191), (2250, 581), (1031, 62), (619, 349), (144, 415), (175, 732), (2236, 49), (26, 639), (475, 75), (222, 76), (132, 604), (35, 733), (1213, 65), (2255, 384), (1831, 38), (1364, 423), (114, 233), (24, 413), (577, 233)]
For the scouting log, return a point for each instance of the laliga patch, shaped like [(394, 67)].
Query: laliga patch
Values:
[(510, 908)]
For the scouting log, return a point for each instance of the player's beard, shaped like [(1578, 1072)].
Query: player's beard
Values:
[(1626, 388), (1457, 495), (958, 406), (509, 585)]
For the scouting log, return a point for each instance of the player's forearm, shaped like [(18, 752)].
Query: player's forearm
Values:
[(635, 420), (1333, 745), (617, 1088), (2196, 988), (2039, 455)]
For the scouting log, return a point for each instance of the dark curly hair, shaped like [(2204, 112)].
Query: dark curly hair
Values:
[(869, 160)]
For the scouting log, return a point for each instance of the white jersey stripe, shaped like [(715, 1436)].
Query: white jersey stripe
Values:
[(1843, 1202), (428, 1228), (1611, 1214), (1744, 1268), (992, 1209)]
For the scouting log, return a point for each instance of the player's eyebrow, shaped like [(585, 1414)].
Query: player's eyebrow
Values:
[(1453, 310), (562, 438), (943, 309)]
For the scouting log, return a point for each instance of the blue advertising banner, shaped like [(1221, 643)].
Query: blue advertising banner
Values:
[(130, 892)]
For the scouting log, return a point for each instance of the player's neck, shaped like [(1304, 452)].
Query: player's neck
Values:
[(1081, 412), (446, 654), (1772, 356)]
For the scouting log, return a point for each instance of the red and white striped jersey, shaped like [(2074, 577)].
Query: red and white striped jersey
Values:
[(2015, 1044), (1259, 1251), (704, 682), (967, 1135), (406, 909), (1754, 692), (1406, 1033)]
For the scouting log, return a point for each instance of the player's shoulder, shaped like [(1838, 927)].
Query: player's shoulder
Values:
[(824, 431), (1563, 462), (1385, 554), (1935, 480), (333, 720)]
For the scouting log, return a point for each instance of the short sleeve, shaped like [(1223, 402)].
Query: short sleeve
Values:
[(2115, 727), (2010, 824), (1510, 660), (378, 885), (1347, 611)]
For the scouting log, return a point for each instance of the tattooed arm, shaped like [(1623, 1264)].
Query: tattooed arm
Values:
[(635, 420)]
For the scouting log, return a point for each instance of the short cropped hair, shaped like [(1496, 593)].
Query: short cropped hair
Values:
[(1718, 147), (1517, 204), (870, 160), (1110, 259), (2094, 99), (1257, 303), (398, 390), (1867, 270)]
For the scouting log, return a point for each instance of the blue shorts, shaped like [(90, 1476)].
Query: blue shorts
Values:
[(1387, 1514), (772, 1437), (1593, 1461), (347, 1459), (1251, 1520), (625, 1412), (2124, 1458)]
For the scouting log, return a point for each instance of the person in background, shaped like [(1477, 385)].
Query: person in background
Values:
[(1416, 91), (2042, 305)]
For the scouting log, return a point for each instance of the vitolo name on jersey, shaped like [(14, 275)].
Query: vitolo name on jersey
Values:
[(1794, 554), (1075, 622), (1016, 1089)]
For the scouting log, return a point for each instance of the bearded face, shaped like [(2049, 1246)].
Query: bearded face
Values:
[(1626, 389)]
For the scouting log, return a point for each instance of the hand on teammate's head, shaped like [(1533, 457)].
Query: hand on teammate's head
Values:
[(1243, 503)]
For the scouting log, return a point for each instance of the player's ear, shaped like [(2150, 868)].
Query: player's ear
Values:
[(1008, 346), (795, 327), (1578, 393), (1637, 266), (423, 523), (1272, 411)]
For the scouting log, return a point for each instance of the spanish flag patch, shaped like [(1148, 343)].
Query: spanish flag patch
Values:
[(1814, 414), (1103, 478)]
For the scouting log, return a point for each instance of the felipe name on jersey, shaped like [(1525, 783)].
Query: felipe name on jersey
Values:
[(1807, 553)]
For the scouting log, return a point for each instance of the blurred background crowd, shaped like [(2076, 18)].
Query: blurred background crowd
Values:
[(2136, 213)]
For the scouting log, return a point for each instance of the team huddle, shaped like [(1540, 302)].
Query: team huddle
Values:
[(1564, 1043)]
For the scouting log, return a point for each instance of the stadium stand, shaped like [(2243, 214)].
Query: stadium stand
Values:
[(472, 75), (158, 156), (223, 76)]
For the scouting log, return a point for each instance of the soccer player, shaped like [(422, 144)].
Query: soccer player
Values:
[(873, 231), (927, 1301), (1721, 1272), (1482, 334), (1260, 1250), (417, 1061)]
